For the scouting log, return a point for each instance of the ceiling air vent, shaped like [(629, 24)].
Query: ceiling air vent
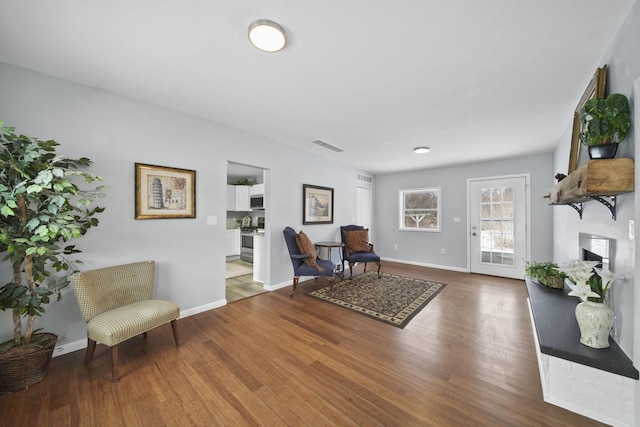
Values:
[(328, 146)]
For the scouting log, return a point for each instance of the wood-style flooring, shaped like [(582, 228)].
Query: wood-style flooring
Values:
[(467, 359)]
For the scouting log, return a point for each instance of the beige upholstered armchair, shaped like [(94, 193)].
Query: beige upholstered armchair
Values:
[(117, 304)]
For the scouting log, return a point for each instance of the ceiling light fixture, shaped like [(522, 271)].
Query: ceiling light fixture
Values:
[(421, 150), (267, 35)]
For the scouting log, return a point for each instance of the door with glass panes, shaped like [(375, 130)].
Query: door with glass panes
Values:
[(497, 225)]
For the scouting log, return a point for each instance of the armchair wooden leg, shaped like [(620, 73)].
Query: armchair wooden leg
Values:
[(331, 283), (114, 363), (379, 265), (351, 264), (174, 328), (295, 285), (91, 348)]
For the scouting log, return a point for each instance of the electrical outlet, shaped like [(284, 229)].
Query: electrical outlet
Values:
[(395, 246), (442, 251), (632, 229)]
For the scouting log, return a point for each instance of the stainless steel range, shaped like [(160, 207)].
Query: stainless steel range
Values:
[(247, 232), (246, 243)]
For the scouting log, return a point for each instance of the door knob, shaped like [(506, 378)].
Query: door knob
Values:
[(474, 234)]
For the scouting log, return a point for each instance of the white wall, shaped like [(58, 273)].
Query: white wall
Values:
[(623, 60), (115, 132), (424, 247)]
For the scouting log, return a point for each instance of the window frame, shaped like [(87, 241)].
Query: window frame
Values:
[(438, 210)]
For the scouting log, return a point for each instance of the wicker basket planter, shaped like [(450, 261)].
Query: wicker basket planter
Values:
[(21, 367)]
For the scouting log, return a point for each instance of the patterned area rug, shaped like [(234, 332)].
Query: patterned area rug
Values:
[(391, 299)]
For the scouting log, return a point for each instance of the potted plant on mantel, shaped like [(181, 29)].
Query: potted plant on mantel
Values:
[(604, 124), (41, 207)]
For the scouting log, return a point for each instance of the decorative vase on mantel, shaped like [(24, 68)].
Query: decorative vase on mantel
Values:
[(595, 320), (603, 151)]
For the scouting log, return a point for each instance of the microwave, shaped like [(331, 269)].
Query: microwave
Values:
[(256, 202)]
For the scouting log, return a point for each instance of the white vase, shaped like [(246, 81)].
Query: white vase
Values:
[(595, 320)]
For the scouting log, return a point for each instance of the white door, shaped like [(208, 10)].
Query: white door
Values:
[(498, 226), (363, 208)]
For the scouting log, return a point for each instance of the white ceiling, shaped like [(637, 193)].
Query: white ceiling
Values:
[(472, 79)]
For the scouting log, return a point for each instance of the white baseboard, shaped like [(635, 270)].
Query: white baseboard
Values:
[(278, 286), (202, 308), (424, 264), (69, 347)]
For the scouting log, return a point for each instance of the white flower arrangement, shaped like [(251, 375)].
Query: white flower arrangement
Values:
[(588, 282)]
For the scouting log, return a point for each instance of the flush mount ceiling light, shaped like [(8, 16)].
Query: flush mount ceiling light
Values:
[(267, 35), (421, 150)]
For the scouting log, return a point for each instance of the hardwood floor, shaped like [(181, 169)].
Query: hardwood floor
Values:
[(467, 359)]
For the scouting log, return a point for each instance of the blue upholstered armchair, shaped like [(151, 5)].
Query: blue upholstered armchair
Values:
[(364, 253), (300, 268)]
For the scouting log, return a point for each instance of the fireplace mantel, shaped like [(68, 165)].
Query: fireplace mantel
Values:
[(600, 180)]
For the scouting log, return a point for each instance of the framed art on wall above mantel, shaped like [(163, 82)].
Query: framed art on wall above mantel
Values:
[(164, 192), (595, 89)]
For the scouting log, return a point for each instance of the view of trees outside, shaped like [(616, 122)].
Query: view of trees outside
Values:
[(496, 219), (420, 208)]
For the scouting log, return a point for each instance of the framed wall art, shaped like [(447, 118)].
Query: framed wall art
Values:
[(595, 89), (317, 205), (164, 192)]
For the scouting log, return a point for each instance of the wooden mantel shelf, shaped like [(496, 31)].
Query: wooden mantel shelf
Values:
[(603, 177), (595, 180)]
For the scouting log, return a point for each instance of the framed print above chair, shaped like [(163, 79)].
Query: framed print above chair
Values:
[(317, 205), (164, 192)]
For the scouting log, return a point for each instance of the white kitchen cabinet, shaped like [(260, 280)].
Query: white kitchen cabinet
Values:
[(256, 190), (233, 242), (238, 198)]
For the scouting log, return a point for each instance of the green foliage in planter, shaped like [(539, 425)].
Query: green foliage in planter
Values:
[(244, 181), (540, 271), (41, 208), (605, 120)]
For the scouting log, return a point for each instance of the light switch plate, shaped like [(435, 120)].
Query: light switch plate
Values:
[(632, 229)]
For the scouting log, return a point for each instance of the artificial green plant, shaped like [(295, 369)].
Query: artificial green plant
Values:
[(41, 208), (605, 120)]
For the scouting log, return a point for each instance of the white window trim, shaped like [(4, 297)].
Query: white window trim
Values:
[(401, 193)]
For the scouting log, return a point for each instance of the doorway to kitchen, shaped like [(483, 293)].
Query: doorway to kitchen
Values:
[(246, 257)]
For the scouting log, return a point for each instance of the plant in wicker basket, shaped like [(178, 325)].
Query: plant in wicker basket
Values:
[(41, 208)]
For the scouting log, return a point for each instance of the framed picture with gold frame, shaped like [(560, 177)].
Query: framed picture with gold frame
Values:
[(595, 89), (164, 192)]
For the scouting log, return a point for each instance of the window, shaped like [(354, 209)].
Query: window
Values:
[(420, 209)]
